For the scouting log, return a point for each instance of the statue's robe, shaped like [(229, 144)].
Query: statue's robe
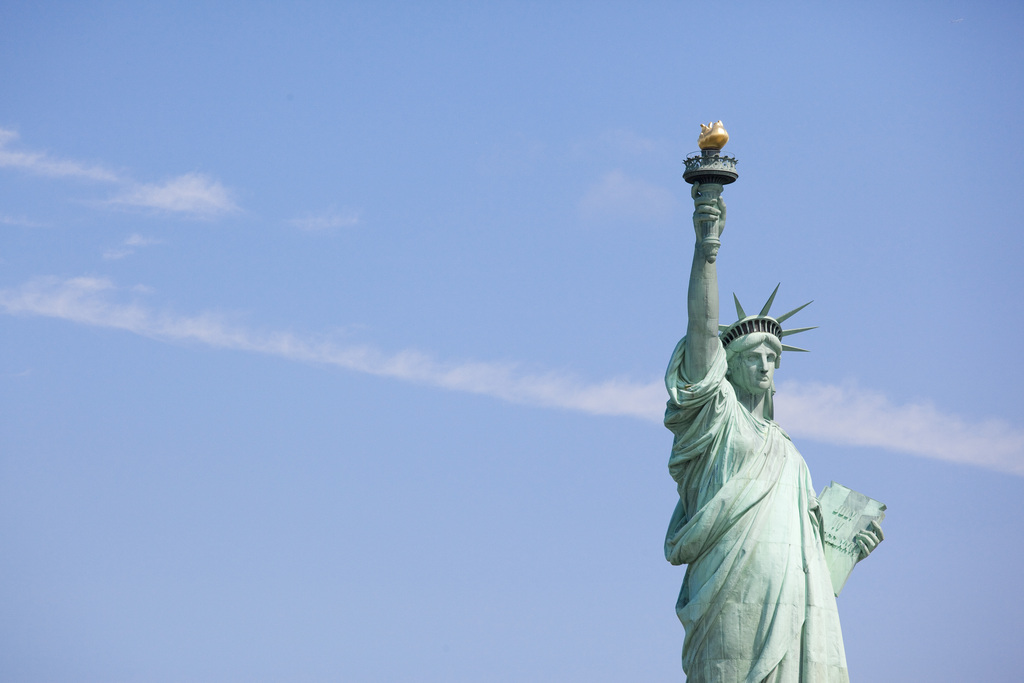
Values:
[(756, 602)]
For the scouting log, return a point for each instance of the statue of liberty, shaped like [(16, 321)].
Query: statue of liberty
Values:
[(757, 603)]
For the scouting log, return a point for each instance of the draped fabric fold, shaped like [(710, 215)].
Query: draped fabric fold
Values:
[(756, 601)]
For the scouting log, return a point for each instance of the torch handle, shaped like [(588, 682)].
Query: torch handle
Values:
[(710, 230), (711, 243)]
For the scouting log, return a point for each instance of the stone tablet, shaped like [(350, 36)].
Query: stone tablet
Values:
[(844, 513)]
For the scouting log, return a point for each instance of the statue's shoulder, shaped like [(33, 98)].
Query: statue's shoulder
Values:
[(782, 432)]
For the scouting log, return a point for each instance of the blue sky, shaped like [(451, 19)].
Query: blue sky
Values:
[(333, 333)]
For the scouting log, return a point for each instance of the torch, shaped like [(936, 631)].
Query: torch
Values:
[(708, 171)]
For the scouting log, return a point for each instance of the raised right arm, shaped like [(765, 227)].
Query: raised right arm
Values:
[(702, 293)]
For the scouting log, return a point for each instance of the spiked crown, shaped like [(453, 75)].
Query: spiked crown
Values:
[(762, 322)]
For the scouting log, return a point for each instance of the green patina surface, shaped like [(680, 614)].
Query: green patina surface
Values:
[(758, 597)]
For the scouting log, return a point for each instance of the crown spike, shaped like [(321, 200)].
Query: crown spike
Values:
[(798, 330), (787, 347), (786, 316), (739, 309), (723, 328), (768, 305)]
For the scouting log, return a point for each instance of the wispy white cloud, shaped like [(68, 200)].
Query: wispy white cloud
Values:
[(191, 193), (137, 240), (326, 221), (19, 221), (117, 253), (43, 164), (831, 414), (851, 415), (619, 197), (129, 245), (88, 300)]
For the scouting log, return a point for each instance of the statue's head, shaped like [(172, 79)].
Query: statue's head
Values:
[(753, 349), (753, 359)]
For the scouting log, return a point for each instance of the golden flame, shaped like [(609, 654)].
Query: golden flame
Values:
[(712, 136)]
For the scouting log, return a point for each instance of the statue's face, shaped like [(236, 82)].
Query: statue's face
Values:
[(752, 370)]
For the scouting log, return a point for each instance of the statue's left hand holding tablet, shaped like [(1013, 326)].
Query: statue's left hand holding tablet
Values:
[(869, 539)]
